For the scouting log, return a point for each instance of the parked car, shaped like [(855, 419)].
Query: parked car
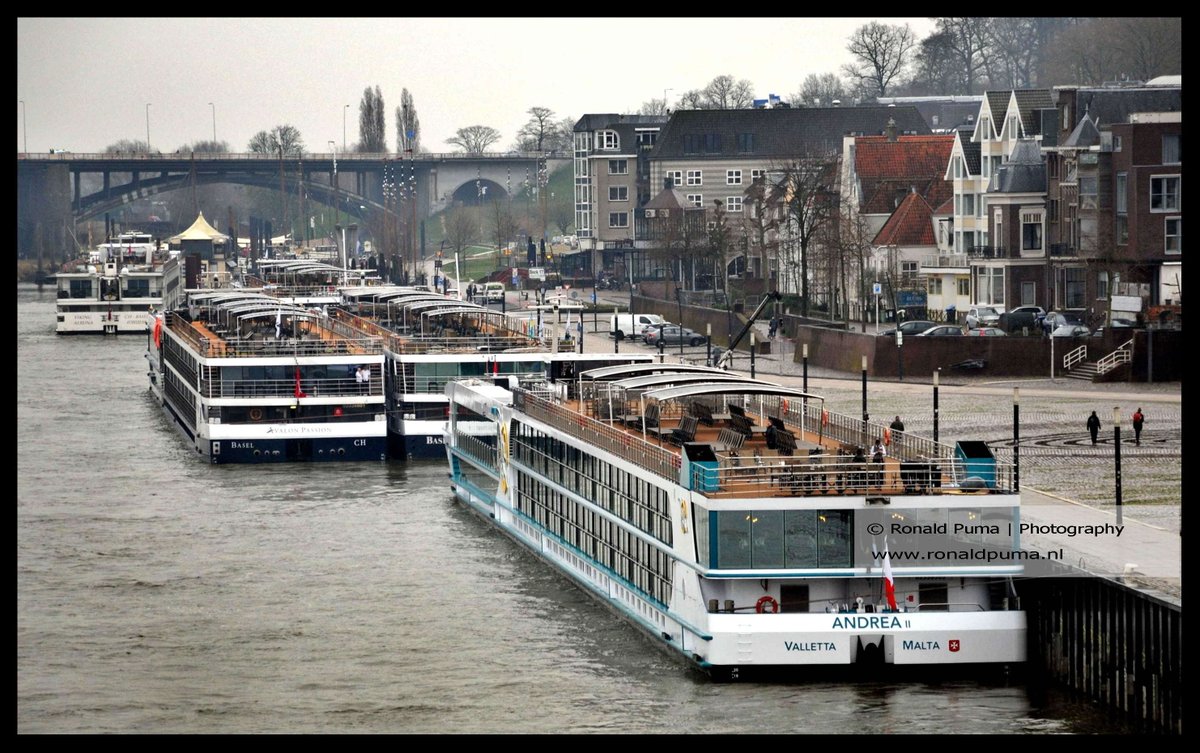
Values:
[(674, 335), (1070, 330), (1022, 316), (1056, 319), (989, 332), (942, 330), (982, 316), (647, 328), (915, 327)]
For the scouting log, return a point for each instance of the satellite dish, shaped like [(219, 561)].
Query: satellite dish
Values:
[(574, 294)]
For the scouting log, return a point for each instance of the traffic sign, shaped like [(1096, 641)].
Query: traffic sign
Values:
[(877, 289)]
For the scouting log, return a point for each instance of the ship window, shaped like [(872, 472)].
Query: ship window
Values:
[(766, 530), (733, 538)]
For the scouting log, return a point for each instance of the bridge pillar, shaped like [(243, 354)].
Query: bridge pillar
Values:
[(44, 201)]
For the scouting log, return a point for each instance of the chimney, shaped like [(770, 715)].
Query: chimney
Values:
[(890, 131)]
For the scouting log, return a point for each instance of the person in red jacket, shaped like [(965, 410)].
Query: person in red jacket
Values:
[(1138, 419)]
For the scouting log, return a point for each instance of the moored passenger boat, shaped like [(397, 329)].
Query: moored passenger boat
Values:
[(430, 340), (735, 522), (110, 291)]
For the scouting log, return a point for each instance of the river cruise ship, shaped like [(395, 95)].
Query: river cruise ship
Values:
[(430, 339), (740, 524), (110, 291), (251, 377)]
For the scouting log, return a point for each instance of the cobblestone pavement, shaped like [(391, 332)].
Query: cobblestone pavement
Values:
[(1057, 456)]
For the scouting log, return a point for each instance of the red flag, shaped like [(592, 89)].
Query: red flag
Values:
[(889, 583), (299, 392)]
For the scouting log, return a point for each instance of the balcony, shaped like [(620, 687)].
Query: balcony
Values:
[(1063, 249), (987, 252), (937, 261)]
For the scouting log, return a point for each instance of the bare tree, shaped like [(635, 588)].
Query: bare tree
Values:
[(372, 133), (722, 93), (726, 93), (408, 126), (282, 139), (809, 205), (968, 39), (474, 139), (538, 131), (880, 54), (853, 244), (936, 66), (819, 91), (129, 146), (654, 107), (461, 226), (502, 225), (1108, 49), (761, 225)]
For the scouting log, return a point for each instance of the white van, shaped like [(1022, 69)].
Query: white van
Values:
[(494, 291), (624, 326)]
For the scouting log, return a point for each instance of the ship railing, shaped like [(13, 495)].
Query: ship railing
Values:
[(743, 474), (476, 448), (599, 434), (277, 388), (253, 347), (487, 337), (949, 606)]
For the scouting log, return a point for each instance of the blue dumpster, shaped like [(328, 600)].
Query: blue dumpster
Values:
[(978, 461), (699, 467)]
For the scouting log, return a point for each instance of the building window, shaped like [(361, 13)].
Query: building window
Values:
[(1052, 215), (733, 204), (1172, 149), (1174, 235), (958, 171), (712, 143), (695, 177), (1087, 191), (618, 193), (647, 138), (968, 204), (618, 167), (1012, 127), (745, 143), (618, 219), (1031, 231), (1102, 285), (1121, 229), (1052, 165), (1164, 193), (733, 177), (1116, 143), (696, 199), (676, 176), (964, 286), (1076, 287), (608, 140), (935, 285), (755, 175), (1121, 200), (908, 268)]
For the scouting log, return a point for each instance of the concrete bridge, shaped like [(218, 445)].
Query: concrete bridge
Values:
[(65, 187)]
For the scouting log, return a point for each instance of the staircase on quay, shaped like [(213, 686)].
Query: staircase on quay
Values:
[(1079, 367)]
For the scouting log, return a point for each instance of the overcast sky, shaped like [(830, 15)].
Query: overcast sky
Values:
[(85, 82)]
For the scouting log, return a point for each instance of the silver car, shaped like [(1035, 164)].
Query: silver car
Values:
[(983, 316)]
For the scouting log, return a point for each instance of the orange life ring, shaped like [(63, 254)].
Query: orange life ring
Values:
[(784, 404), (824, 418), (256, 414), (765, 603), (887, 436)]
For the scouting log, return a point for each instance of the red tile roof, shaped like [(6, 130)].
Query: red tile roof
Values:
[(884, 168), (910, 225)]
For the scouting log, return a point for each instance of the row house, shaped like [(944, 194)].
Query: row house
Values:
[(714, 158), (1114, 221), (890, 187), (1049, 186), (612, 182)]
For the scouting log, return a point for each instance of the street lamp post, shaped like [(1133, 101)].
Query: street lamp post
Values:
[(345, 110), (1117, 459), (214, 114), (24, 133), (147, 127)]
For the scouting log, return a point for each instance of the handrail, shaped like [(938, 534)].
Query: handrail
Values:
[(1078, 355), (1123, 354)]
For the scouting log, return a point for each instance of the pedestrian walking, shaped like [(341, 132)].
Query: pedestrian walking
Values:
[(897, 424), (1138, 419), (772, 326), (1093, 425)]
